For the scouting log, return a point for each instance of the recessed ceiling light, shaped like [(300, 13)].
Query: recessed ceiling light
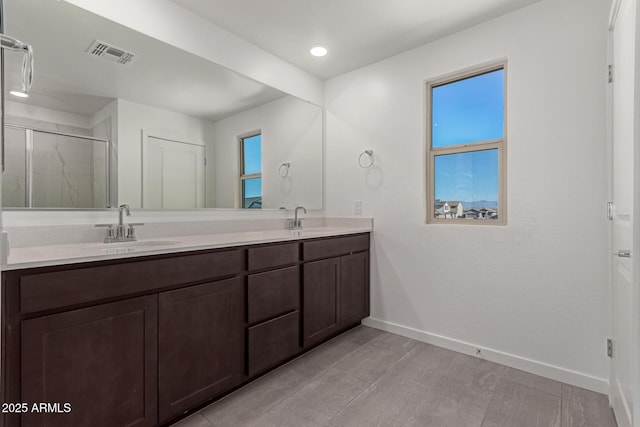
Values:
[(318, 51), (19, 93)]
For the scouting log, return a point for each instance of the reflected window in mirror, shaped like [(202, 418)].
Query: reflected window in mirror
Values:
[(251, 171)]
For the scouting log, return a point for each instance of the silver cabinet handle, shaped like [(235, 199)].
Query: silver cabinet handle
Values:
[(624, 253)]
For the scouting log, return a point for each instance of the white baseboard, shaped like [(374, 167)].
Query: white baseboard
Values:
[(542, 369)]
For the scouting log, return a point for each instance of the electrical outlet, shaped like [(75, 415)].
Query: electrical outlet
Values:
[(357, 207)]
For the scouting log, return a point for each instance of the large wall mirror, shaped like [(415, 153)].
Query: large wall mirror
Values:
[(115, 116)]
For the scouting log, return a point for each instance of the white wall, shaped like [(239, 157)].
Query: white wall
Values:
[(291, 132), (36, 114), (533, 294), (132, 119)]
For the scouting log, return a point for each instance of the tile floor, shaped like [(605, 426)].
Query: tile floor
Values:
[(367, 378)]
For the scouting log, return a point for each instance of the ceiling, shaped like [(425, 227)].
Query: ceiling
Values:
[(356, 32), (68, 79)]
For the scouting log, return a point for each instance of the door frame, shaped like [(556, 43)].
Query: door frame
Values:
[(635, 259)]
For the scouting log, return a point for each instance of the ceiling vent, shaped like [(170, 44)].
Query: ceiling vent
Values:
[(110, 52)]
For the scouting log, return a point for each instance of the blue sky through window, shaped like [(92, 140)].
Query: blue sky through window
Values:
[(252, 187), (252, 154), (469, 110), (467, 177), (466, 112)]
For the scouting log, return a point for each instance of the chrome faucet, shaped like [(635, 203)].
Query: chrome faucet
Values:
[(296, 223), (122, 232)]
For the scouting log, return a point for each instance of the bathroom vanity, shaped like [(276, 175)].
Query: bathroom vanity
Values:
[(139, 340)]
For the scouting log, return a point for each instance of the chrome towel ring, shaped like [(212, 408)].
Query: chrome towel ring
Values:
[(365, 160)]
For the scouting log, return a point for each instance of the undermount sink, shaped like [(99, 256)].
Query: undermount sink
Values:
[(123, 247), (314, 230), (139, 243)]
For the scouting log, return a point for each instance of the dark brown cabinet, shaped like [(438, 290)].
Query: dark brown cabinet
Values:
[(273, 307), (335, 290), (201, 344), (321, 299), (101, 360), (354, 288), (140, 341), (272, 342)]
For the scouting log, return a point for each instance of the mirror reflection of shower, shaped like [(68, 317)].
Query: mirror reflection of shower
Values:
[(49, 168), (10, 43)]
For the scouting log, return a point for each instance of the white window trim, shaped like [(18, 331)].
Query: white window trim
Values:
[(499, 144)]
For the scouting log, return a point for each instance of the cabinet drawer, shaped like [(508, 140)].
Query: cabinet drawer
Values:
[(273, 293), (272, 342), (326, 248), (272, 256), (52, 290)]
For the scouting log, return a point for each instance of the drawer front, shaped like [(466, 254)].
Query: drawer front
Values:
[(47, 291), (330, 247), (273, 293), (272, 342), (272, 256)]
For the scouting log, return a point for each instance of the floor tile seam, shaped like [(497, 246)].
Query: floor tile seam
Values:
[(375, 379), (559, 396), (379, 338), (334, 364), (267, 408), (534, 388), (272, 407), (286, 396), (209, 422), (562, 407), (299, 386), (348, 405), (371, 384), (486, 411)]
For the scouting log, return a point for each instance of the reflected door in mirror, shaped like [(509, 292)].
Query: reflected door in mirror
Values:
[(173, 174)]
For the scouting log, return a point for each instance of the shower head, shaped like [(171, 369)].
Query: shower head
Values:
[(8, 42)]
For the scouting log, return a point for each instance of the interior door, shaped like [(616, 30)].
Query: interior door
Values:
[(173, 174), (624, 281)]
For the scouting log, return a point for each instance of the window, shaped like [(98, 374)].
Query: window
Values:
[(251, 171), (466, 148)]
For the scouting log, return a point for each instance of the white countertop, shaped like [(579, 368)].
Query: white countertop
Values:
[(49, 255)]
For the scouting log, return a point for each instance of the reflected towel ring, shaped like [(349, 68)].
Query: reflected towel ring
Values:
[(283, 171), (364, 163)]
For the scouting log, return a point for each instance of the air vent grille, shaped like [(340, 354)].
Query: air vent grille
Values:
[(108, 51)]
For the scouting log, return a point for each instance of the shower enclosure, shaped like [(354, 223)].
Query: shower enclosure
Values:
[(52, 169)]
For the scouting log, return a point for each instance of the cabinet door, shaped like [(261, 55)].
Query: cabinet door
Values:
[(201, 344), (102, 360), (354, 288), (320, 299)]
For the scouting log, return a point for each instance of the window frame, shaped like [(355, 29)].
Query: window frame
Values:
[(499, 144), (243, 176)]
